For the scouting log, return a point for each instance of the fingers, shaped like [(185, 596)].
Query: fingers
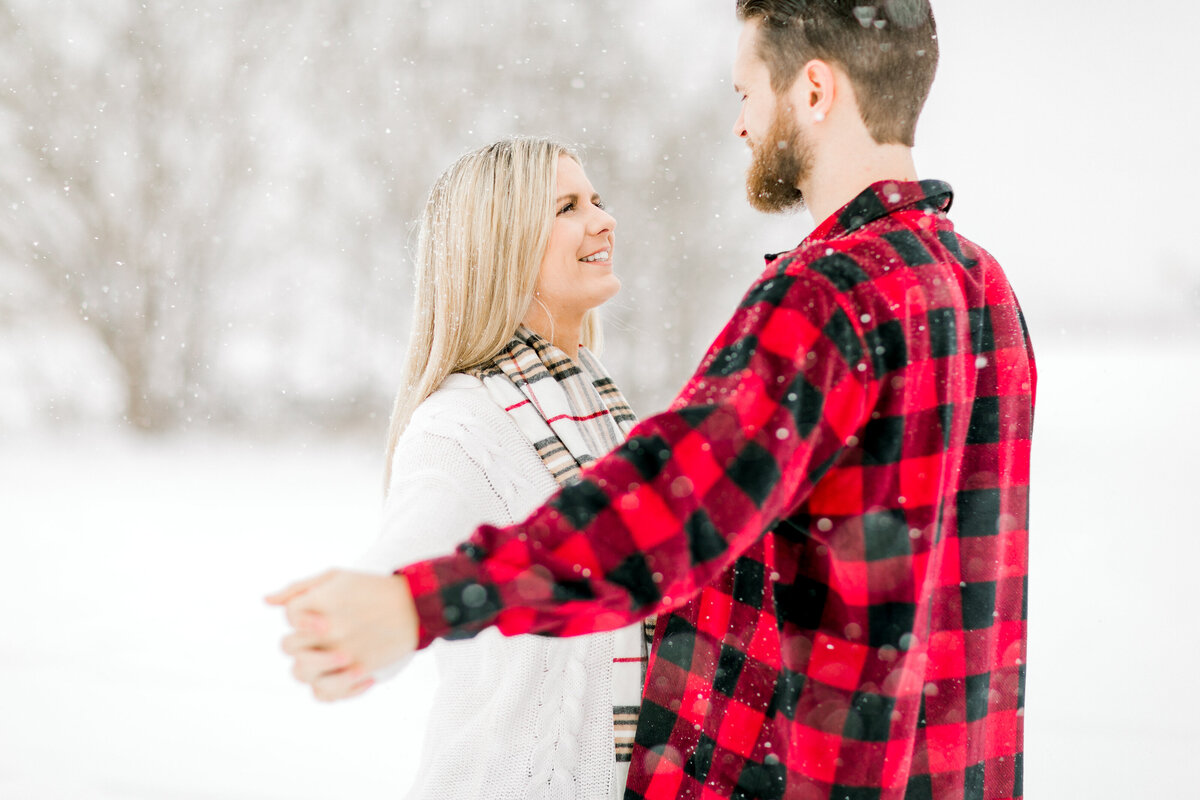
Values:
[(346, 625), (286, 595), (296, 643), (333, 671), (341, 686), (310, 666), (306, 621), (359, 688)]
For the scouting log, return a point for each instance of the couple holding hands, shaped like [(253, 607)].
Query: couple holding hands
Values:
[(807, 578)]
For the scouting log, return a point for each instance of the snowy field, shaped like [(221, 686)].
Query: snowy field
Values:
[(139, 662)]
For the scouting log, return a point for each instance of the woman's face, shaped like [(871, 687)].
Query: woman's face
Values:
[(577, 270)]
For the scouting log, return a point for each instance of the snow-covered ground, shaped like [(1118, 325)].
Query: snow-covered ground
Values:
[(138, 660)]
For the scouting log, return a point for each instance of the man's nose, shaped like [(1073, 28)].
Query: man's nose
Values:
[(739, 125)]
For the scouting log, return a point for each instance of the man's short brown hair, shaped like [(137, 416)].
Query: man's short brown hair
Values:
[(889, 49)]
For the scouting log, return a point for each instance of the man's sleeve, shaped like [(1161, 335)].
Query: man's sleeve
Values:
[(770, 408)]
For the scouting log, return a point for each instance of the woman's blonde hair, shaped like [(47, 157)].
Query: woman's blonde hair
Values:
[(483, 233)]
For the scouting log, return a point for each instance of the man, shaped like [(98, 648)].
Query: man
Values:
[(831, 520)]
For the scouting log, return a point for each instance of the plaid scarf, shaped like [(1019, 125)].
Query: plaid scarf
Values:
[(573, 413)]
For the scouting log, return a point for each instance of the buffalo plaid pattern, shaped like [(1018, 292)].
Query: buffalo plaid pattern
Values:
[(831, 521)]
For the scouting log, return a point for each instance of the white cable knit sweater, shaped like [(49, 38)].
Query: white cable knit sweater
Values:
[(513, 717)]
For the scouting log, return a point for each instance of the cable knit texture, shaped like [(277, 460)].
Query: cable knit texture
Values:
[(513, 717)]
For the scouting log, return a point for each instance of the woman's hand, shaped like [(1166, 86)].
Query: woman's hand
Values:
[(346, 625)]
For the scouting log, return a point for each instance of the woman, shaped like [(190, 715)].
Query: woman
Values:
[(499, 405)]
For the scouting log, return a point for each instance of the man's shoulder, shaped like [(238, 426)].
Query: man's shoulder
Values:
[(908, 239), (824, 267)]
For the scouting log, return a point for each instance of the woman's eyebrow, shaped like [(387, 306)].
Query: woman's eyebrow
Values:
[(575, 197)]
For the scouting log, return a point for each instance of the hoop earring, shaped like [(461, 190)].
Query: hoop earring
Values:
[(546, 311)]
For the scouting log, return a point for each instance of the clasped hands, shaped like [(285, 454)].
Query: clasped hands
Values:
[(346, 626)]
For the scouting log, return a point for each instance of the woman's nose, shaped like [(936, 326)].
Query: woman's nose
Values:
[(603, 221)]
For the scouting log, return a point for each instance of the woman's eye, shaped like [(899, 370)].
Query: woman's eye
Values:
[(566, 208)]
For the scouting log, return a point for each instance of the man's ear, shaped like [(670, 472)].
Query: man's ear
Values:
[(812, 94)]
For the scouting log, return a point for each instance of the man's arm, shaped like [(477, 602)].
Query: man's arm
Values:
[(771, 406)]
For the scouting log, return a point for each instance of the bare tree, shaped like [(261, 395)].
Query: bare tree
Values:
[(222, 193), (117, 197)]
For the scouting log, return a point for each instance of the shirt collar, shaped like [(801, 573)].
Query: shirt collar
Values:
[(878, 201), (881, 199)]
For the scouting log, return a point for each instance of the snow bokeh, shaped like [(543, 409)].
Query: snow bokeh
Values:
[(140, 661)]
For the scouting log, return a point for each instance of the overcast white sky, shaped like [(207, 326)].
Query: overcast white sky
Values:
[(1068, 131)]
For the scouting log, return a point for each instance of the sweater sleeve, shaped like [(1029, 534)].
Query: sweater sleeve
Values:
[(426, 515), (450, 473), (770, 408)]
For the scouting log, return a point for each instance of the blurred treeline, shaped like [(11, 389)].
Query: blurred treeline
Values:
[(206, 208)]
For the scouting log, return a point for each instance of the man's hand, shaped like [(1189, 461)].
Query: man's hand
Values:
[(346, 626)]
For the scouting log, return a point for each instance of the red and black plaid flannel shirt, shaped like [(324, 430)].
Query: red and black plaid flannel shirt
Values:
[(831, 521)]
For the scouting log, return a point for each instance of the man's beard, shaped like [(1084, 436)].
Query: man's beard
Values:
[(779, 161)]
